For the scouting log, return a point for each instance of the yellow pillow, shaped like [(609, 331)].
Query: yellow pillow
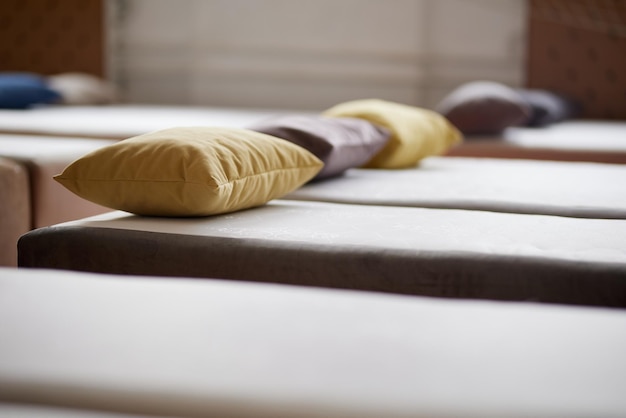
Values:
[(416, 133), (193, 171)]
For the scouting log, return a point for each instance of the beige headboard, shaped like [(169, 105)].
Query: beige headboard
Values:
[(578, 47), (52, 36)]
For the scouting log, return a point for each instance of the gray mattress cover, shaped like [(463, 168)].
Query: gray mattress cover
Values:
[(452, 253), (212, 348), (577, 189)]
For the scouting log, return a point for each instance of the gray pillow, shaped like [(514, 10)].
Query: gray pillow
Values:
[(341, 143)]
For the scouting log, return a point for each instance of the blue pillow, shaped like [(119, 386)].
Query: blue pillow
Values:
[(23, 90)]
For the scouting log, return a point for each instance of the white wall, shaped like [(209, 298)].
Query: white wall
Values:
[(311, 54)]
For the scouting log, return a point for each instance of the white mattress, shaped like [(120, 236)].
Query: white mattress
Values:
[(37, 148), (518, 186), (122, 121), (148, 346), (435, 252), (395, 228), (575, 135), (573, 140)]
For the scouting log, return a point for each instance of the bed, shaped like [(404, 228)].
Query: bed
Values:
[(29, 197), (78, 344), (44, 139), (589, 190), (407, 250), (450, 227)]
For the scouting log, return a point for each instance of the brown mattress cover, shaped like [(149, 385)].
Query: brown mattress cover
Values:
[(495, 148), (446, 253), (15, 208), (44, 157)]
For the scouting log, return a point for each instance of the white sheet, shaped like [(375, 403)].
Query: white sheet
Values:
[(580, 135), (37, 148), (122, 121), (223, 349), (518, 186), (483, 234)]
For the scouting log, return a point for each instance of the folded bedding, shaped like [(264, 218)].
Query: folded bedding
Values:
[(78, 344), (417, 251), (587, 190)]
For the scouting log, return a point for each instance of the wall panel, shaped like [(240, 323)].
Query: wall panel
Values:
[(52, 36), (313, 54), (578, 47)]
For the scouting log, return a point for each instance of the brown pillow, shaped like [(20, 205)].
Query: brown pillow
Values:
[(341, 143), (484, 108)]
